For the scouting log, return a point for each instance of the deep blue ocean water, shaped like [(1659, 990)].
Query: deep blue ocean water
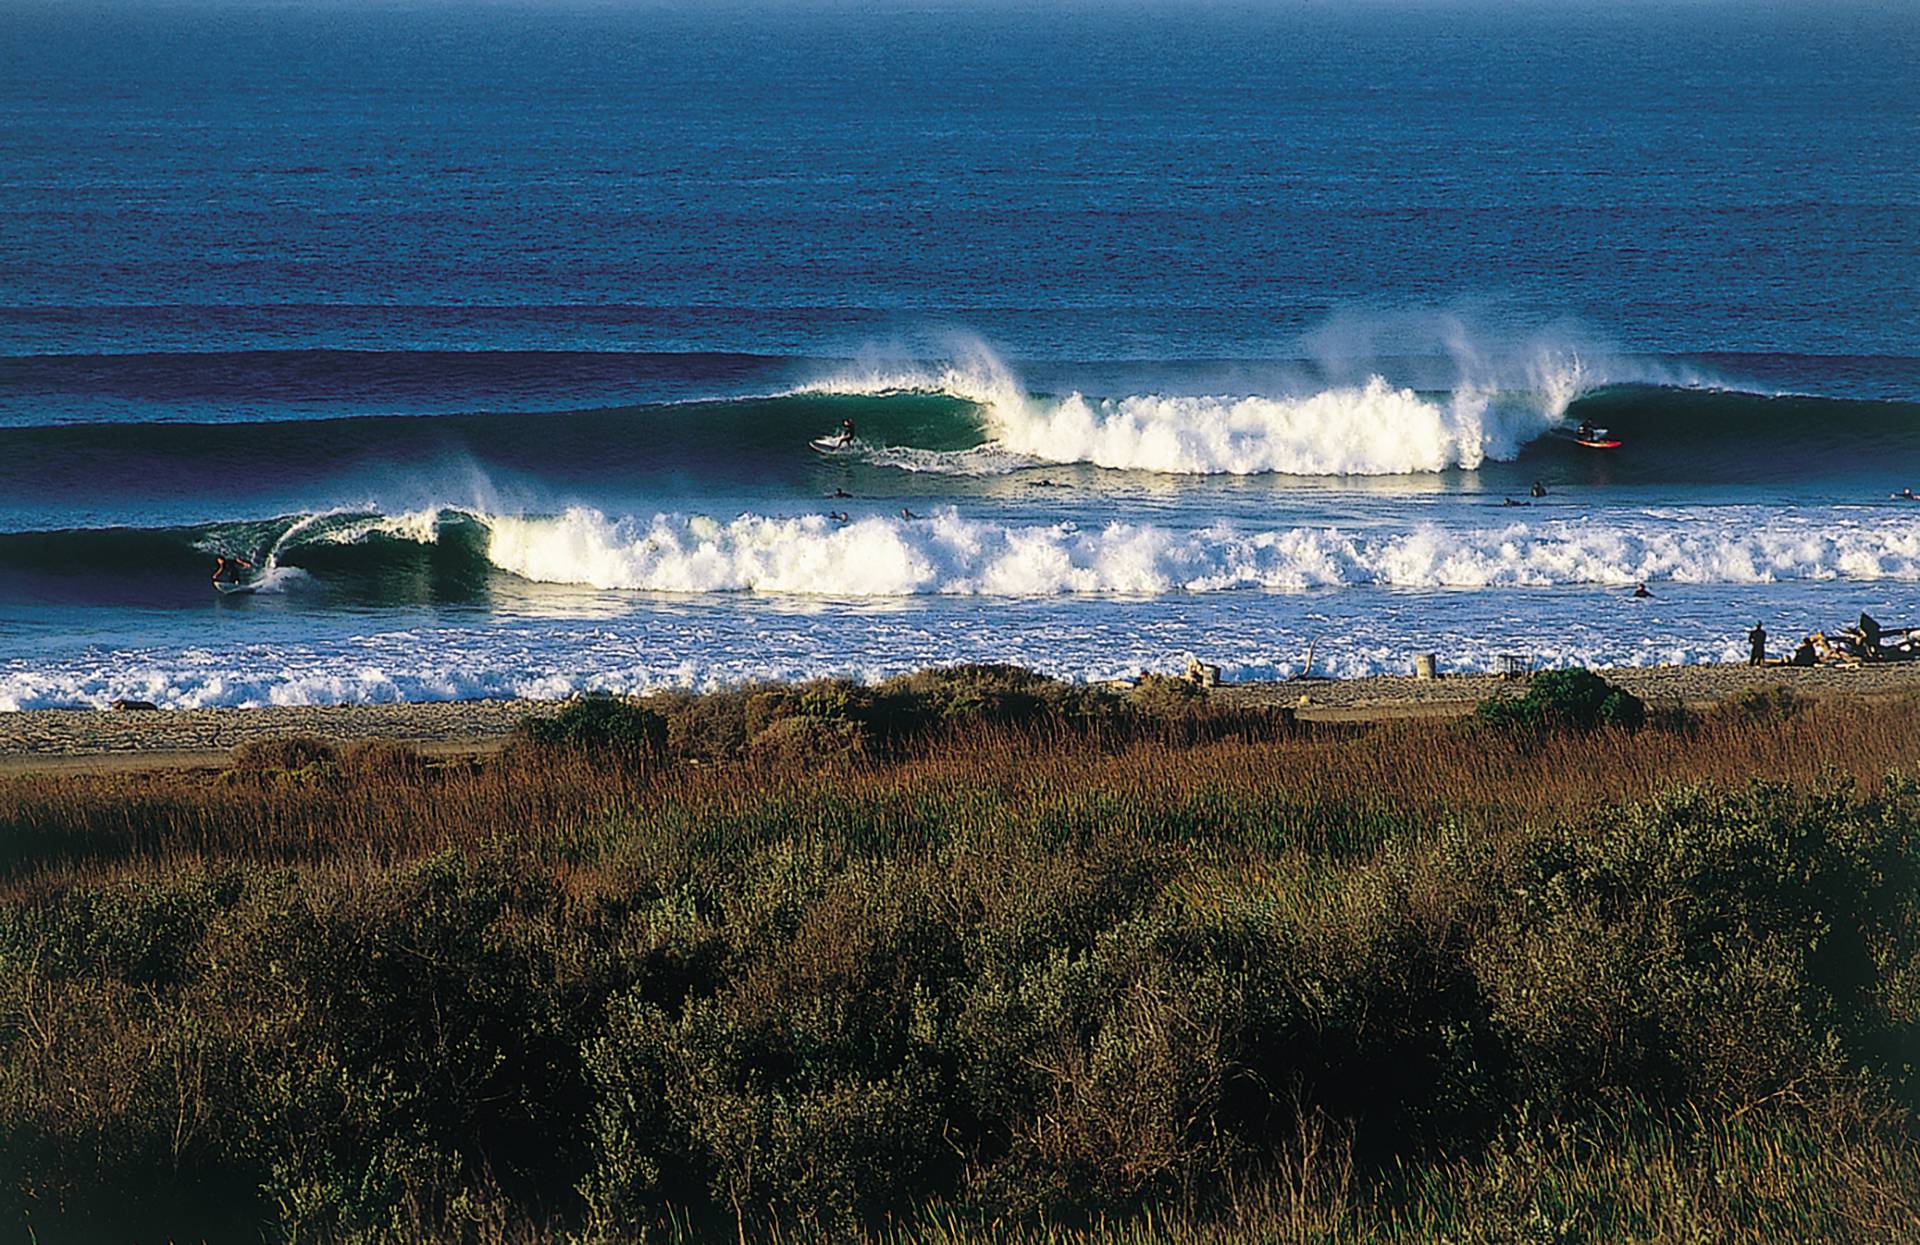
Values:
[(495, 337)]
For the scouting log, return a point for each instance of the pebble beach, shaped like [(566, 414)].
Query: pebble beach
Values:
[(80, 740)]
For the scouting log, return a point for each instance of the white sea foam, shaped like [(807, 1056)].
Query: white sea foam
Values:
[(948, 554), (1372, 428)]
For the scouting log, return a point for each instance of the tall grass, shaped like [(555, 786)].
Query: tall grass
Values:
[(1177, 980)]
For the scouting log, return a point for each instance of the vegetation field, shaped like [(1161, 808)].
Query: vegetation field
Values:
[(973, 956)]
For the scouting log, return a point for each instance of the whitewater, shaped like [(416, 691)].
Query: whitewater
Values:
[(1372, 428), (1089, 526), (945, 553)]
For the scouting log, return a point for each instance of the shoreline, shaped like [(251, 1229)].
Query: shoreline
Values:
[(109, 741)]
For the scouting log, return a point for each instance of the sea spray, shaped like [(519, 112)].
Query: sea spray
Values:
[(1372, 428)]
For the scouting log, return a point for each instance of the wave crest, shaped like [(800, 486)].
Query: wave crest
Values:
[(1374, 428), (948, 554)]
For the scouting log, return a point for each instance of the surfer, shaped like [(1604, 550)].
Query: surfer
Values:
[(846, 432), (1757, 646), (1640, 591), (1905, 494), (840, 494), (1539, 489), (1585, 431), (907, 514), (229, 569), (1508, 501)]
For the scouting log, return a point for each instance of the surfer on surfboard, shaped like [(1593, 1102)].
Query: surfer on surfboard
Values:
[(228, 570), (835, 440), (1595, 438)]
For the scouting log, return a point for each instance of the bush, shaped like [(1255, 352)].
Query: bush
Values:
[(1760, 704), (286, 752), (1034, 986), (381, 760), (708, 726), (1163, 696), (1565, 700), (799, 741), (599, 724)]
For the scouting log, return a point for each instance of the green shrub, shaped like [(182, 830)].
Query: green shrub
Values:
[(599, 724), (1773, 703), (1565, 700), (798, 741), (708, 726), (1707, 946), (1163, 696), (285, 752)]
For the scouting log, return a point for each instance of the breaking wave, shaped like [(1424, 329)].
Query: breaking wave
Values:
[(948, 554), (441, 553), (1372, 428)]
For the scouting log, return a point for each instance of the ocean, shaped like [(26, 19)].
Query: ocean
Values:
[(495, 336)]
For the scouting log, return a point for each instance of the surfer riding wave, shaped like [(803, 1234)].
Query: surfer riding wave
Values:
[(229, 570)]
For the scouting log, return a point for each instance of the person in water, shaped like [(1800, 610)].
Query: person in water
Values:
[(840, 494), (1757, 646), (1640, 590), (1539, 489), (907, 514), (229, 569), (1905, 494)]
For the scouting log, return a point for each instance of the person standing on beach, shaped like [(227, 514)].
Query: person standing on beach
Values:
[(1757, 642)]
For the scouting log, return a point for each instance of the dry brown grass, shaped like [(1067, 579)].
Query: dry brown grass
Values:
[(1345, 983)]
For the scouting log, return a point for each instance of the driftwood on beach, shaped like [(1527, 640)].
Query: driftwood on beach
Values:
[(1864, 642)]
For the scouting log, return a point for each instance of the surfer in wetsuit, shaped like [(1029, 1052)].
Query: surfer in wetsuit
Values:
[(1539, 489), (846, 432), (1586, 430), (1757, 646), (229, 569), (1640, 590)]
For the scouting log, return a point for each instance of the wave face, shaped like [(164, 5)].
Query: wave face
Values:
[(1505, 425)]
